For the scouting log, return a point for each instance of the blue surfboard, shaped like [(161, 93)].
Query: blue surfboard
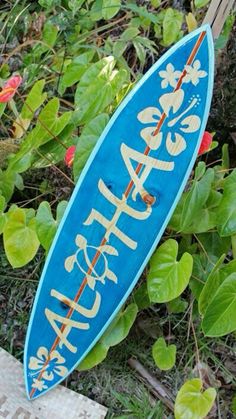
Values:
[(119, 209)]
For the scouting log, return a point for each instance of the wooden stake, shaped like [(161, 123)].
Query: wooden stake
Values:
[(157, 388), (217, 14)]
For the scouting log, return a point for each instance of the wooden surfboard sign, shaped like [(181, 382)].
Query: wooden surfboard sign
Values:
[(119, 209)]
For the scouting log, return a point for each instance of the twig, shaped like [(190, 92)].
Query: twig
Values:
[(157, 388)]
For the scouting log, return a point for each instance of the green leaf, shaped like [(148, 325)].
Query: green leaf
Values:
[(177, 306), (191, 22), (224, 36), (2, 108), (233, 242), (195, 198), (214, 244), (96, 10), (186, 245), (117, 331), (2, 203), (34, 100), (140, 51), (227, 209), (119, 48), (19, 238), (163, 355), (225, 157), (141, 297), (129, 34), (49, 36), (7, 182), (200, 3), (171, 26), (220, 318), (155, 3), (19, 182), (46, 225), (121, 326), (50, 32), (196, 211), (75, 70), (233, 407), (94, 357), (87, 141), (200, 170), (168, 278), (202, 266), (192, 402), (142, 12), (75, 5), (3, 217), (110, 8), (104, 65), (97, 89), (210, 287), (48, 125)]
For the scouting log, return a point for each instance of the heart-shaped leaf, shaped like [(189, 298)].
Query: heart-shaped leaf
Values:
[(20, 239), (117, 331), (220, 318), (163, 355), (94, 357), (120, 328), (167, 277), (46, 225), (192, 402)]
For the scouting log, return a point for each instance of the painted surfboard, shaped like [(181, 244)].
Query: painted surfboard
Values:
[(119, 209)]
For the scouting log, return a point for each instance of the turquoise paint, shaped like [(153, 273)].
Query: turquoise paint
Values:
[(106, 163)]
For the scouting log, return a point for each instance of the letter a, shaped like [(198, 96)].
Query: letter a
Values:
[(148, 162)]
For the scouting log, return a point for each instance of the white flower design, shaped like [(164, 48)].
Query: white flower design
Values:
[(170, 105), (48, 364), (169, 76), (194, 73), (39, 384)]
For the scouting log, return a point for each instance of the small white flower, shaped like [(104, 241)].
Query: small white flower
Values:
[(169, 76), (194, 73), (39, 384)]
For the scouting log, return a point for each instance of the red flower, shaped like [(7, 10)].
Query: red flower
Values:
[(206, 143), (69, 156), (9, 88)]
